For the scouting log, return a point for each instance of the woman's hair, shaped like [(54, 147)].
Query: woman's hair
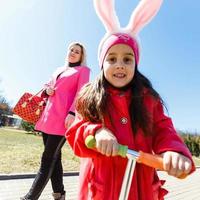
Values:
[(92, 101), (83, 52)]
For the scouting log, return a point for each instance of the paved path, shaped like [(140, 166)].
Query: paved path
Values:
[(186, 189), (13, 189), (182, 189)]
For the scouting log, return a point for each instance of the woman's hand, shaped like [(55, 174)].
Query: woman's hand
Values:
[(50, 91), (176, 164), (106, 142), (69, 120)]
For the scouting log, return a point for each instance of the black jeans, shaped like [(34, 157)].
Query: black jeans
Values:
[(50, 168)]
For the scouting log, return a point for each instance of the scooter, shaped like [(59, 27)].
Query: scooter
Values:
[(151, 160)]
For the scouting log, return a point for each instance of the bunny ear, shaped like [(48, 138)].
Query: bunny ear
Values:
[(106, 12), (142, 15)]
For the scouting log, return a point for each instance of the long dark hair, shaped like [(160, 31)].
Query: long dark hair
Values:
[(91, 102)]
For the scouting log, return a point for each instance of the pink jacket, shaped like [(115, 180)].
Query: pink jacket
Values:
[(101, 176), (66, 86)]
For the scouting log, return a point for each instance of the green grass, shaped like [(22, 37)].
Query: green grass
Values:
[(21, 152)]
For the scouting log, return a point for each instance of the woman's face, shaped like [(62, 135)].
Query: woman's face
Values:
[(119, 65), (74, 54)]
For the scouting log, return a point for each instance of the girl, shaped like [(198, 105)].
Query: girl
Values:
[(122, 107), (56, 118)]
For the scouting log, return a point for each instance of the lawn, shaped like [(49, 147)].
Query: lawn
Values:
[(21, 152)]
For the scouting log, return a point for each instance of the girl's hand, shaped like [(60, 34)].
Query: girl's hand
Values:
[(50, 91), (106, 142), (69, 120), (176, 164)]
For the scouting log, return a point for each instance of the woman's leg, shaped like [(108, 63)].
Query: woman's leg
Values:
[(57, 176), (53, 145)]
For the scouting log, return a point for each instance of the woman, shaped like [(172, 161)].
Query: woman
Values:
[(56, 118)]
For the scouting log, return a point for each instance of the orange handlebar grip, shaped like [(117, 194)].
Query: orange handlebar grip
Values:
[(154, 161), (150, 160)]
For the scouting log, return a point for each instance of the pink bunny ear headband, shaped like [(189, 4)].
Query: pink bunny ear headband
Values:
[(141, 16)]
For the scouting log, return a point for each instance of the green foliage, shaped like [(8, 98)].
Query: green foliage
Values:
[(27, 126), (193, 142)]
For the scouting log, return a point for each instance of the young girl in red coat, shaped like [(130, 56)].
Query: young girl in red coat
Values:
[(121, 107)]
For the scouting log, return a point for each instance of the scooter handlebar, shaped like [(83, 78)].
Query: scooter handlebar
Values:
[(151, 160)]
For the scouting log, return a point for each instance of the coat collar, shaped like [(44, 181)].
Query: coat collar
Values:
[(117, 92), (112, 91)]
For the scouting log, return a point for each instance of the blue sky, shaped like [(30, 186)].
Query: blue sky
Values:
[(34, 36)]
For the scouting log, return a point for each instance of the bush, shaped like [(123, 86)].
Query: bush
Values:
[(29, 127), (193, 142)]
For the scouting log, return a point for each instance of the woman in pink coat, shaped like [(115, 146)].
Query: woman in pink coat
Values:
[(56, 118), (122, 107)]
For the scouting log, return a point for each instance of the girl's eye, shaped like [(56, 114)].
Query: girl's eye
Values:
[(112, 59), (127, 60)]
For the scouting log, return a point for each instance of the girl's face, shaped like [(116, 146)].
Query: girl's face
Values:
[(119, 65), (74, 54)]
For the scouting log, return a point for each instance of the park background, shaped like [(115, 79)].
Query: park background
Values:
[(34, 35)]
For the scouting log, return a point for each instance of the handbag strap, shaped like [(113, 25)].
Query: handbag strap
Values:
[(24, 104), (36, 94)]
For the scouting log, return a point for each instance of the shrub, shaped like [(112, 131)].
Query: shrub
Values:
[(192, 141), (27, 126)]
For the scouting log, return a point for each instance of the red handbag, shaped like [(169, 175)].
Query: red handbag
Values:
[(30, 107)]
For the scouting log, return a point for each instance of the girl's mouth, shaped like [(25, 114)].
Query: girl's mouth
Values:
[(119, 75)]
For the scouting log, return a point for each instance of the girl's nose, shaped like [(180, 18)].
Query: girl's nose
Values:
[(120, 65)]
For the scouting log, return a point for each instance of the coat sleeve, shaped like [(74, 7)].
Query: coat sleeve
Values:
[(77, 134), (83, 79), (165, 136), (51, 82), (43, 93)]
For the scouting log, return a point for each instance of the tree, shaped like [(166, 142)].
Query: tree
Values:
[(3, 103), (5, 109)]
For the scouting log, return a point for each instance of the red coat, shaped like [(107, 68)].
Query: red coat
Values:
[(101, 176)]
